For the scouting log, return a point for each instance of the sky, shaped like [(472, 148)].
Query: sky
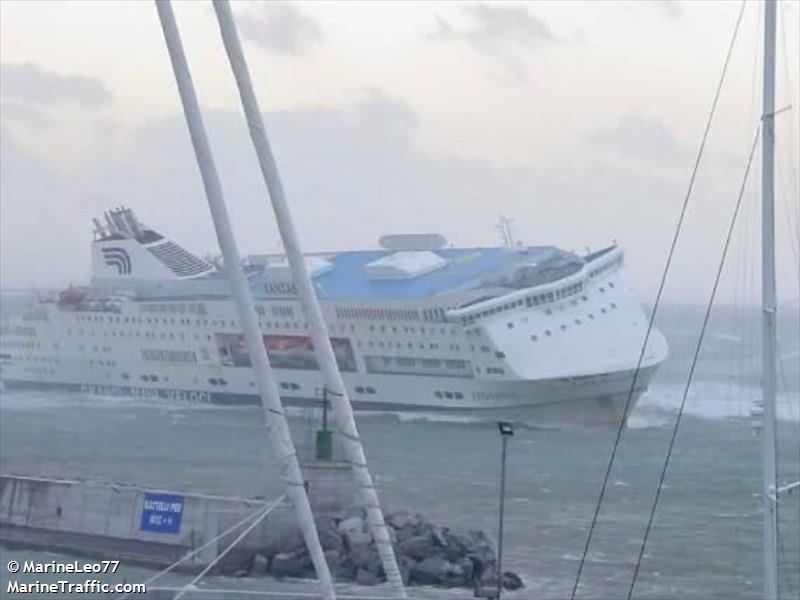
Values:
[(580, 121)]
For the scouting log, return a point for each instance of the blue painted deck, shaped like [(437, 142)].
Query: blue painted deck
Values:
[(348, 279)]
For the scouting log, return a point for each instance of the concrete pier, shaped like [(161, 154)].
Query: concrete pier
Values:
[(154, 526)]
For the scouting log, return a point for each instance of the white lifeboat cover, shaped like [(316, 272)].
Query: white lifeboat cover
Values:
[(405, 265), (278, 268)]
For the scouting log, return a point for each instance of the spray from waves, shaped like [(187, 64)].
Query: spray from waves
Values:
[(708, 400)]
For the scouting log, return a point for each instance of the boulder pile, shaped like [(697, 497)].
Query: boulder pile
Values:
[(427, 554)]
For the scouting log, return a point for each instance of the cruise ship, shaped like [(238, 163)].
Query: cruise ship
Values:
[(532, 332)]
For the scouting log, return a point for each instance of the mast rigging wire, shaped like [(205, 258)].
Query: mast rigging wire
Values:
[(693, 366), (656, 304)]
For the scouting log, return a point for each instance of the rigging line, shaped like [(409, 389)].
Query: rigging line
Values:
[(695, 358), (657, 302)]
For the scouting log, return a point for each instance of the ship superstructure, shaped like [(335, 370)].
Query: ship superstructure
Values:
[(416, 326)]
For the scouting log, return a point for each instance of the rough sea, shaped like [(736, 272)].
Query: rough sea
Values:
[(706, 537)]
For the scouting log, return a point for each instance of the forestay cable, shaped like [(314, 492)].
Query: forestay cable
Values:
[(657, 303), (693, 366)]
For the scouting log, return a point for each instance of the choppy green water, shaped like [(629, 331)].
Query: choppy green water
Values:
[(705, 543)]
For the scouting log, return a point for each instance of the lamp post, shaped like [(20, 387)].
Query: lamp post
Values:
[(506, 431), (323, 442)]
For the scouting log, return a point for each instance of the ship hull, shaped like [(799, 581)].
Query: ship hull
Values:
[(589, 400)]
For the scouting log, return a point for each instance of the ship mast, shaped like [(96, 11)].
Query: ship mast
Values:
[(769, 307), (282, 447)]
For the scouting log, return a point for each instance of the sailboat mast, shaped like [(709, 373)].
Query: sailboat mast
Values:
[(769, 307)]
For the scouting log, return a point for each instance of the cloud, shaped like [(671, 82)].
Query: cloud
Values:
[(29, 83), (353, 173), (280, 27), (638, 137), (502, 32), (672, 9)]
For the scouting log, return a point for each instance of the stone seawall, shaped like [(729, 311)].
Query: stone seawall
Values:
[(153, 526)]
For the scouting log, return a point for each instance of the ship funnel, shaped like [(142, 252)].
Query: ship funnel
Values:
[(132, 222), (112, 227), (119, 222), (98, 228)]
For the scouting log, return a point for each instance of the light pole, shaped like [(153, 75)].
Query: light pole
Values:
[(323, 441), (506, 431)]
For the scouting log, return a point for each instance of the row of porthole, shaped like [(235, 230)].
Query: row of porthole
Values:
[(364, 389), (285, 385), (215, 381), (563, 327), (449, 395)]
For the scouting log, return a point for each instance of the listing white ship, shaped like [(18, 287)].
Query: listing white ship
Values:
[(534, 332)]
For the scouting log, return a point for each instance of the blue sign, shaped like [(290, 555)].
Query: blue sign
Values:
[(161, 513)]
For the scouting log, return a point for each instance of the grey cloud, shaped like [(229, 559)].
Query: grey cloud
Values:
[(501, 32), (638, 137), (31, 84), (672, 9), (351, 173), (280, 27), (495, 24)]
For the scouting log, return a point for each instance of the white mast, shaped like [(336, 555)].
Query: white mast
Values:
[(340, 402), (282, 448), (769, 307)]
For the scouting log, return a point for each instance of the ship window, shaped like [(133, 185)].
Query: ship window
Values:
[(294, 386), (125, 376), (284, 385), (223, 382), (602, 289), (534, 338), (370, 390), (577, 321), (613, 305), (611, 284), (548, 332), (448, 395), (458, 395), (510, 325), (499, 354), (603, 310), (359, 389), (563, 328), (591, 316), (438, 394)]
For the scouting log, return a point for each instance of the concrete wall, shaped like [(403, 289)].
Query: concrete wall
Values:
[(105, 519)]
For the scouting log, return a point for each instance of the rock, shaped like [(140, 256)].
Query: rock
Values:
[(404, 534), (260, 565), (355, 524), (355, 511), (361, 555), (468, 569), (405, 564), (325, 523), (288, 565), (431, 571), (439, 536), (401, 520), (392, 535), (419, 547), (364, 577), (357, 538), (341, 568), (512, 581), (331, 540)]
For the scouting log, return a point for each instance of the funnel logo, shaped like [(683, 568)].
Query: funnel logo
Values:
[(119, 258)]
